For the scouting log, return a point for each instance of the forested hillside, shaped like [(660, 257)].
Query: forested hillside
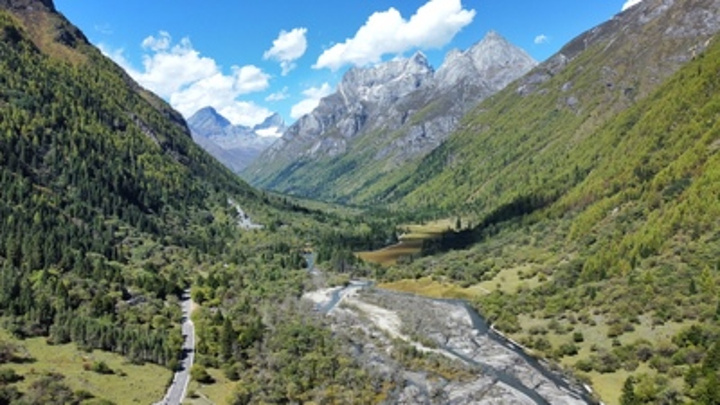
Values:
[(109, 211), (537, 138), (90, 172), (614, 270), (586, 198)]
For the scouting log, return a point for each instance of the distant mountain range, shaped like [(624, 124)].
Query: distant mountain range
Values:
[(235, 146), (384, 117)]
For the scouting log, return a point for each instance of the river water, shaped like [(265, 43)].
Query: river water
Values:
[(481, 326)]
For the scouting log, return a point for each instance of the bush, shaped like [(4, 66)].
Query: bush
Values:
[(606, 362), (542, 344), (200, 374), (232, 371), (9, 376), (615, 330), (567, 349), (83, 395), (584, 365), (101, 367), (644, 351), (661, 364), (578, 337)]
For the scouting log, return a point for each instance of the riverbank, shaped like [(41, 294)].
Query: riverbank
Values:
[(465, 360)]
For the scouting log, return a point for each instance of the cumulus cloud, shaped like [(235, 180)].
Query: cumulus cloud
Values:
[(190, 81), (311, 101), (630, 3), (432, 26), (159, 43), (287, 48), (541, 39), (278, 96)]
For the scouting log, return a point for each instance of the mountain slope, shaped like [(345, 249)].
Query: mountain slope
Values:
[(521, 141), (105, 194), (604, 257), (235, 146), (109, 211), (382, 119), (627, 260)]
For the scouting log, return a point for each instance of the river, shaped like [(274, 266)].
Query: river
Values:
[(479, 328)]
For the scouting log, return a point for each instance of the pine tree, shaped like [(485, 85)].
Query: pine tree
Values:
[(227, 338), (628, 393)]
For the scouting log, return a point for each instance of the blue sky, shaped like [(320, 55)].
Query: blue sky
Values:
[(248, 58)]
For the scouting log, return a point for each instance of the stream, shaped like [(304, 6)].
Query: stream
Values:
[(481, 326)]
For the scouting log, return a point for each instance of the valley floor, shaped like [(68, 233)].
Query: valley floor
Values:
[(436, 352)]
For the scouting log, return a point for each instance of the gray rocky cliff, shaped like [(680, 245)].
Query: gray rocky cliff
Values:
[(398, 110), (662, 24)]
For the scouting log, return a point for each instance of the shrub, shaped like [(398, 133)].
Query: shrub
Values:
[(200, 374), (101, 367), (568, 349), (606, 362), (584, 365), (9, 376), (232, 371)]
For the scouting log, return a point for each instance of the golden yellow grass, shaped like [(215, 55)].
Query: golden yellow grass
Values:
[(428, 287), (411, 242), (391, 254)]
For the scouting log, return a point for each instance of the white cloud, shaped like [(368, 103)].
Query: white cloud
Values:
[(278, 96), (245, 113), (432, 26), (311, 101), (287, 48), (161, 43), (541, 39), (190, 81), (630, 3)]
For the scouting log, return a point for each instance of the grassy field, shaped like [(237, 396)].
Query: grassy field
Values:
[(411, 242), (209, 394), (595, 333), (129, 384), (508, 280), (428, 287)]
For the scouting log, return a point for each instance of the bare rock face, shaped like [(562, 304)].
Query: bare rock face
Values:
[(661, 23), (391, 113), (492, 63), (360, 98)]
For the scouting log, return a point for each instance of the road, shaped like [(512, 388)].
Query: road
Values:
[(178, 388)]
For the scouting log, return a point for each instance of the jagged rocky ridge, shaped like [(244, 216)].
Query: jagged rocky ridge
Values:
[(235, 146), (384, 117)]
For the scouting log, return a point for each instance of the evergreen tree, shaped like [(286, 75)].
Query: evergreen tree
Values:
[(628, 393)]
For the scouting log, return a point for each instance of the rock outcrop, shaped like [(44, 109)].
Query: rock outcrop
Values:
[(384, 116)]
